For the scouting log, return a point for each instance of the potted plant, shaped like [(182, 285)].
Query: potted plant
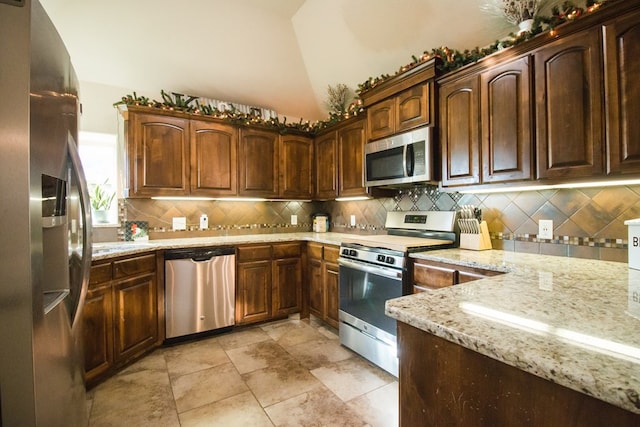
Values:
[(101, 199), (516, 12)]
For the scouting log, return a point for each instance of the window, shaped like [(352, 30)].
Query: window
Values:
[(98, 152)]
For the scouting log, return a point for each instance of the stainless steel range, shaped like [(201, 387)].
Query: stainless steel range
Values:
[(374, 269)]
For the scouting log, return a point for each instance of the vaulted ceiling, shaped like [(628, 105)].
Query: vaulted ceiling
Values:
[(276, 54)]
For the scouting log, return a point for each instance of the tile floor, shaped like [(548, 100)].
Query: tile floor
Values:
[(291, 372)]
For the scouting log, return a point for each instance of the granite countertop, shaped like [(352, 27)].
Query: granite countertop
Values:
[(112, 249), (575, 322)]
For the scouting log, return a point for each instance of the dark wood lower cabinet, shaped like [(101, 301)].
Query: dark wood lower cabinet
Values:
[(323, 282), (120, 315), (444, 384), (268, 281)]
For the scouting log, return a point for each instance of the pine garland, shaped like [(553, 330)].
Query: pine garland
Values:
[(449, 60)]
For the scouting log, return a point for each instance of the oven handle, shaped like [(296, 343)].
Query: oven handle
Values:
[(380, 271)]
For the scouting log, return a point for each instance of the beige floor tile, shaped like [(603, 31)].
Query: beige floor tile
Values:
[(318, 407), (379, 407), (317, 353), (291, 332), (141, 397), (352, 377), (277, 383), (206, 386), (194, 356), (241, 410), (242, 338), (259, 355)]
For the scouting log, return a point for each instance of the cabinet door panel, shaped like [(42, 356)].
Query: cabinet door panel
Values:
[(316, 288), (135, 311), (351, 140), (569, 107), (433, 277), (287, 291), (413, 107), (381, 119), (459, 132), (622, 50), (326, 164), (253, 296), (213, 159), (258, 164), (296, 167), (506, 122), (331, 280), (159, 155), (97, 316)]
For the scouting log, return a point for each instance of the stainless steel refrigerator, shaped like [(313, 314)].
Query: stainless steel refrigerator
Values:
[(45, 225)]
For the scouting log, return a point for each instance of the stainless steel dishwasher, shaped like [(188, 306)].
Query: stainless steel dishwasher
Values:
[(199, 290)]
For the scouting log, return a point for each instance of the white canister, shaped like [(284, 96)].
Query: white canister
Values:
[(320, 223)]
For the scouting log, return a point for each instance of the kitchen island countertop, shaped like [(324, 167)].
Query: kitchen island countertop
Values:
[(575, 322)]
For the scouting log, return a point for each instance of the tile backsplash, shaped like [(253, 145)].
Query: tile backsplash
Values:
[(587, 222)]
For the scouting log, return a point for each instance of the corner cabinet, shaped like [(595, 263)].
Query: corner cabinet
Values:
[(268, 281), (120, 315), (485, 125), (339, 161)]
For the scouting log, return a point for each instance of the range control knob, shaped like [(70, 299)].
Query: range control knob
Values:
[(353, 252), (345, 251), (391, 260), (380, 258)]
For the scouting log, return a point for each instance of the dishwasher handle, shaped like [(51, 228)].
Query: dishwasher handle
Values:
[(199, 254)]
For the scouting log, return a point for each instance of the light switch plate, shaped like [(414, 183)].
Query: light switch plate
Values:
[(294, 219), (180, 223), (353, 220)]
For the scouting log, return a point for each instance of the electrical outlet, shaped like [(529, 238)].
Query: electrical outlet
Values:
[(545, 229), (353, 220), (294, 219)]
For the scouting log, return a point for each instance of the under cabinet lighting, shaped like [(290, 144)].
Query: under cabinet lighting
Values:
[(225, 199), (351, 199), (509, 189)]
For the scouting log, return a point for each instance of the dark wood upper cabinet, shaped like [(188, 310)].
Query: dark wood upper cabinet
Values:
[(351, 140), (158, 150), (326, 166), (622, 89), (460, 131), (401, 103), (414, 107), (258, 163), (506, 108), (296, 167), (214, 152), (569, 106)]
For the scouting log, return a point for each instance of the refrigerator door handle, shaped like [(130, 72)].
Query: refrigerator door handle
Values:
[(86, 227)]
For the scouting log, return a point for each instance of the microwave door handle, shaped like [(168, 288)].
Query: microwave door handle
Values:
[(409, 160)]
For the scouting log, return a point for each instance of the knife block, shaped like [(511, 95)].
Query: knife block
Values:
[(476, 241)]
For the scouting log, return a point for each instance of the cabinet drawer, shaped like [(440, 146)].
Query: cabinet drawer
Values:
[(428, 276), (314, 250), (100, 273), (252, 253), (132, 266), (331, 253), (286, 250)]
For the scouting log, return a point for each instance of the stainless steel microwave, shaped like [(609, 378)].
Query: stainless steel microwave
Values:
[(400, 159)]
